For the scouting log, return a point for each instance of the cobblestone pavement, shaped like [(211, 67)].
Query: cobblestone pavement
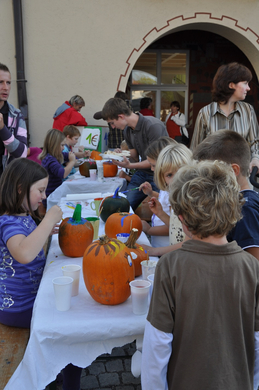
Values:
[(110, 372)]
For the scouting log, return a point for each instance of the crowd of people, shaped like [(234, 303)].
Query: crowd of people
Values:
[(202, 329)]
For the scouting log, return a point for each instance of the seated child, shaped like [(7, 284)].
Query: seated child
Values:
[(202, 329), (231, 147), (126, 174)]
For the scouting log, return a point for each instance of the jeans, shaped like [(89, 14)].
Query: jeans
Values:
[(136, 197)]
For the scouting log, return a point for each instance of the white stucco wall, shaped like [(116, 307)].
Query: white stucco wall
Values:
[(81, 47)]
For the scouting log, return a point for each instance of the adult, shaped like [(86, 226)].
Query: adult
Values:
[(69, 114), (13, 131), (227, 111), (139, 132), (146, 106), (115, 136), (174, 121)]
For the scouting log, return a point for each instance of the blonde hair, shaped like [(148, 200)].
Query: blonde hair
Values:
[(159, 144), (207, 196), (171, 158), (51, 145)]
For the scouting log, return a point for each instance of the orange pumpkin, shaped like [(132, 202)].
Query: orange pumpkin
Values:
[(138, 253), (109, 169), (122, 223), (96, 155), (108, 269), (75, 234)]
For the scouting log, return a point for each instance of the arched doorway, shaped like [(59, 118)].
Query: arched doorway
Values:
[(200, 55)]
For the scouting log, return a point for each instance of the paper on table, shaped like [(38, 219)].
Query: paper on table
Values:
[(83, 196)]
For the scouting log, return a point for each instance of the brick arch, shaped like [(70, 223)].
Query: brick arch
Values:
[(198, 17)]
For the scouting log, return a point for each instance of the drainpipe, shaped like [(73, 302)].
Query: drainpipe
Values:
[(21, 81)]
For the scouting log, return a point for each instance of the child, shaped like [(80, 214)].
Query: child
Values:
[(170, 159), (158, 231), (125, 174), (22, 189), (72, 135), (204, 310), (52, 160), (231, 147)]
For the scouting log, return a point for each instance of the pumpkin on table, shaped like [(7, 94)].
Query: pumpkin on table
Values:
[(138, 253), (108, 269), (122, 223), (96, 155), (113, 204), (75, 234), (84, 168), (109, 169)]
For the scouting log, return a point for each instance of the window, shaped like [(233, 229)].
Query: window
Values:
[(163, 76)]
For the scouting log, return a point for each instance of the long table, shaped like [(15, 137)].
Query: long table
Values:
[(77, 336), (84, 185)]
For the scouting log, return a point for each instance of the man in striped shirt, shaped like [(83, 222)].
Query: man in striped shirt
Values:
[(13, 132), (227, 111)]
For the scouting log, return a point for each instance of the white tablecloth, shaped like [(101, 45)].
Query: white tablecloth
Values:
[(77, 336), (79, 184)]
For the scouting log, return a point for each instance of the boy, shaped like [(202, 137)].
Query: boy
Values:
[(204, 311), (231, 147), (72, 135)]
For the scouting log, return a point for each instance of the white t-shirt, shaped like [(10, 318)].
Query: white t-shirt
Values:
[(157, 241)]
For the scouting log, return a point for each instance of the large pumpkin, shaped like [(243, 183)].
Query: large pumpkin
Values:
[(84, 168), (75, 234), (113, 204), (96, 155), (122, 223), (108, 269), (109, 169), (138, 253)]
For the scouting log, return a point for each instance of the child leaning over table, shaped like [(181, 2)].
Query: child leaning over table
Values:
[(202, 329)]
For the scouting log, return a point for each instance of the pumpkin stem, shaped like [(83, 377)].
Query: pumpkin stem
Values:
[(103, 240), (116, 192), (77, 213), (131, 241)]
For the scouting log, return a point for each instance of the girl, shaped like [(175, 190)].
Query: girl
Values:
[(158, 231), (22, 259), (22, 189), (170, 159), (53, 158)]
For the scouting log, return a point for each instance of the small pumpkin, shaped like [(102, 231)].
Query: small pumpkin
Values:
[(75, 234), (113, 204), (122, 223), (84, 168), (96, 155), (109, 169), (138, 253), (108, 269)]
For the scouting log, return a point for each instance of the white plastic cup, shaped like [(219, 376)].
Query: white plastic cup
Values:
[(92, 174), (148, 268), (150, 278), (63, 290), (73, 270), (123, 237), (139, 296)]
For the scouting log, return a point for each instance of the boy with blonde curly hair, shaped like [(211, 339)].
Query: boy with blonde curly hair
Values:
[(202, 329)]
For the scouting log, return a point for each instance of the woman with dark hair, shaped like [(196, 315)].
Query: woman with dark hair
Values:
[(175, 123), (146, 106), (69, 113), (228, 111)]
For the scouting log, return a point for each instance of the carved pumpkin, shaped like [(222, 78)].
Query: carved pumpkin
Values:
[(96, 155), (75, 234), (113, 204), (122, 223), (108, 269), (138, 253), (109, 169), (84, 168)]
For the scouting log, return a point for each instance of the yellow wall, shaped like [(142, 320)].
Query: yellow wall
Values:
[(82, 46)]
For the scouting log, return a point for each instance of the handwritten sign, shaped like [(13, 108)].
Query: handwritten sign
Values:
[(90, 137)]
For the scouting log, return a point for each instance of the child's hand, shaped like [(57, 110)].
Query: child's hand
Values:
[(146, 188), (71, 156), (54, 214), (155, 206), (87, 153), (55, 229), (145, 226)]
